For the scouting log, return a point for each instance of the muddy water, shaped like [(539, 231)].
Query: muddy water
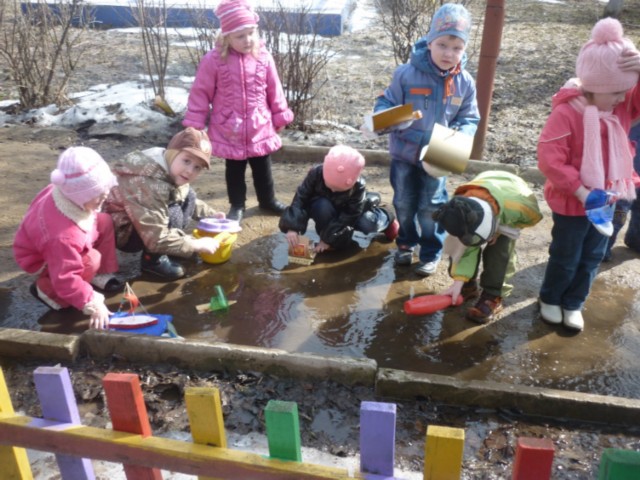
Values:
[(351, 303)]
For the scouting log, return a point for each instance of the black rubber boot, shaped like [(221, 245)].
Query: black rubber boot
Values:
[(275, 206), (161, 265), (236, 212), (263, 183)]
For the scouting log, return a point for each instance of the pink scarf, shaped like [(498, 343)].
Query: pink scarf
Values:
[(620, 172)]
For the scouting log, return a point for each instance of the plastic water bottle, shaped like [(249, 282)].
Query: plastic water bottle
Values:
[(602, 216), (598, 198)]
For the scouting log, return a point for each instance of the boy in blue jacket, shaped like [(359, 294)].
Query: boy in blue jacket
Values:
[(435, 82)]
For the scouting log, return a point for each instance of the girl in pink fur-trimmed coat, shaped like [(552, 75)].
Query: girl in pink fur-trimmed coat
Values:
[(237, 94)]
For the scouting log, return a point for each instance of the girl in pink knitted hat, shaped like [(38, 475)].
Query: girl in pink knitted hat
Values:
[(67, 242), (238, 97), (584, 150), (334, 195)]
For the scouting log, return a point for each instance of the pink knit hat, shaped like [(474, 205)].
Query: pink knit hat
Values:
[(235, 15), (82, 175), (597, 66), (342, 167)]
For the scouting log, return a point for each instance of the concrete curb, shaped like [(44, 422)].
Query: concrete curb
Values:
[(387, 383), (50, 346), (228, 357), (315, 154), (534, 401)]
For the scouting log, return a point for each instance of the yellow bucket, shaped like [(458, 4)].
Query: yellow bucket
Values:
[(226, 243)]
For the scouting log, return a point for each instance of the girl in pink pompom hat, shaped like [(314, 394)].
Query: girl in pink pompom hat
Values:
[(584, 150), (67, 241), (238, 98)]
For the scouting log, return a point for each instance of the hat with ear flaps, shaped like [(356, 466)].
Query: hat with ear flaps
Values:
[(195, 142), (342, 167), (468, 218), (597, 63)]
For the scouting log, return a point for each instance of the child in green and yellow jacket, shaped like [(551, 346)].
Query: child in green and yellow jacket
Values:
[(483, 220)]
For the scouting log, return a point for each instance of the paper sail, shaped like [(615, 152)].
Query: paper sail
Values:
[(448, 149)]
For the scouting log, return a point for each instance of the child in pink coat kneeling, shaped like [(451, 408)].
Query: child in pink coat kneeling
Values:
[(67, 242)]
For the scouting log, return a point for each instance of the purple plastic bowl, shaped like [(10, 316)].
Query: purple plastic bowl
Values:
[(218, 225)]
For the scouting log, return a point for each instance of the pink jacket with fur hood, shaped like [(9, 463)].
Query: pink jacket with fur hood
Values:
[(560, 148), (242, 102)]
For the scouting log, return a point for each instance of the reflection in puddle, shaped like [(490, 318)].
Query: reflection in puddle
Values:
[(351, 303)]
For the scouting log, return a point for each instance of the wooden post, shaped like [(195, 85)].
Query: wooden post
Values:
[(14, 460), (534, 459), (283, 430), (485, 79), (377, 438), (443, 453), (205, 417), (617, 464), (129, 414), (58, 403)]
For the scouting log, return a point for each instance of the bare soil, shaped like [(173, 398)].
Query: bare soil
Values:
[(540, 43)]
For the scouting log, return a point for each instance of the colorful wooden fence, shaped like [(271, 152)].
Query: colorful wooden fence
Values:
[(131, 442)]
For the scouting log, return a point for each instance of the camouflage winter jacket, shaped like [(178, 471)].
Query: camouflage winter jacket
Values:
[(141, 202)]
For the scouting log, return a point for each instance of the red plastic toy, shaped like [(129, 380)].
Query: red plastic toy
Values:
[(428, 304)]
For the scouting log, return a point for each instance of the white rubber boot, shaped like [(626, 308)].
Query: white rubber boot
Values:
[(550, 313), (573, 319)]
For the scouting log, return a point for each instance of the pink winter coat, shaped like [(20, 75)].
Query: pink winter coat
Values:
[(560, 148), (241, 101), (48, 237)]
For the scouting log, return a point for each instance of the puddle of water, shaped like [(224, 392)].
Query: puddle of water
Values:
[(351, 303)]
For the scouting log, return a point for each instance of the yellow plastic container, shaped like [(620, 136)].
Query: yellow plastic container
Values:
[(224, 252)]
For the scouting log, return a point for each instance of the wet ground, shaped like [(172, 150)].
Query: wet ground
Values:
[(346, 303), (351, 303)]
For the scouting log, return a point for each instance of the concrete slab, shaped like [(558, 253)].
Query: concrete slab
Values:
[(324, 17), (18, 343), (534, 401)]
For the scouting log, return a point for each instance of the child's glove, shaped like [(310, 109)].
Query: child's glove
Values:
[(98, 312)]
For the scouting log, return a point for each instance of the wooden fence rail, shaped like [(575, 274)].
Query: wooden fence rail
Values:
[(143, 456)]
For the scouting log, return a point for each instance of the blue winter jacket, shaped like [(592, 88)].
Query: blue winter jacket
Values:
[(421, 83)]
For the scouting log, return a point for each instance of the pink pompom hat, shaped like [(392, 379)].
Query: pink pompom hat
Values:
[(235, 15), (597, 63), (82, 175), (342, 167)]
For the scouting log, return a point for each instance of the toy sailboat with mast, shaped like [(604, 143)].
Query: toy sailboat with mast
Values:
[(133, 321)]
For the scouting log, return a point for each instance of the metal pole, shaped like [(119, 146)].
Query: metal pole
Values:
[(489, 50)]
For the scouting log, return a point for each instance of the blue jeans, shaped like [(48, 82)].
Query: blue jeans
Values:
[(623, 207), (416, 196), (575, 253)]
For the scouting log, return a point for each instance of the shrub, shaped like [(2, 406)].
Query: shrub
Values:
[(42, 45)]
